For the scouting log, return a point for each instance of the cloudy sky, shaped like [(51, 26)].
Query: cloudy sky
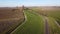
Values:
[(13, 3)]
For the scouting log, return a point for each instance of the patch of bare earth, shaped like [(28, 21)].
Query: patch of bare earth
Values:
[(10, 18)]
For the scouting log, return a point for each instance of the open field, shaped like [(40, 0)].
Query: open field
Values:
[(49, 11), (54, 28), (34, 24), (52, 15), (33, 20), (55, 14), (10, 18)]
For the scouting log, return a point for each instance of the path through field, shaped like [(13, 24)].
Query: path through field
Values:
[(33, 25), (51, 25), (37, 24), (45, 19), (46, 26)]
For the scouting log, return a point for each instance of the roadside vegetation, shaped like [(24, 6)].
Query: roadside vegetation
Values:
[(53, 12), (53, 19), (54, 28)]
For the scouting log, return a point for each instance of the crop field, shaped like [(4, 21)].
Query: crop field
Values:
[(30, 20), (54, 28), (33, 24), (50, 12), (53, 16), (9, 18)]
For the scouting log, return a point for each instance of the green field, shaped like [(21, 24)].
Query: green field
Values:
[(34, 24), (53, 17), (54, 28), (55, 14)]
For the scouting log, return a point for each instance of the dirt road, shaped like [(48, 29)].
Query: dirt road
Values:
[(46, 25)]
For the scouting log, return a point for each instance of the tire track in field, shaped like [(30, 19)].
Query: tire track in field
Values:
[(47, 27), (47, 31), (57, 24), (46, 24)]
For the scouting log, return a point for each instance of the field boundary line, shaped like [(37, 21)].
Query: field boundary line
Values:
[(57, 23), (21, 24), (9, 19), (47, 26)]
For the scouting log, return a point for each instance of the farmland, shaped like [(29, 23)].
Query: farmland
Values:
[(9, 18), (35, 26), (49, 11), (53, 14), (30, 20)]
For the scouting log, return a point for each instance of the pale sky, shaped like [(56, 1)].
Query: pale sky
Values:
[(13, 3)]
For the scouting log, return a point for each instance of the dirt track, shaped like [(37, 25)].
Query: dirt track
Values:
[(46, 26)]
